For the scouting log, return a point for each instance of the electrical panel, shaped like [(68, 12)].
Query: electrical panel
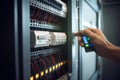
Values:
[(48, 39), (40, 45)]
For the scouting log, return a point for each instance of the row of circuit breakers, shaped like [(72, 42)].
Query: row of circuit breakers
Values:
[(48, 39)]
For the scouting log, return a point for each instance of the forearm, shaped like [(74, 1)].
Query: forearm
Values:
[(112, 53)]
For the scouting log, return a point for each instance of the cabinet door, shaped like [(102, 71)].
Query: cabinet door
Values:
[(88, 60)]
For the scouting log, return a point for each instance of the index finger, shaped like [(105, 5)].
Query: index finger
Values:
[(77, 33)]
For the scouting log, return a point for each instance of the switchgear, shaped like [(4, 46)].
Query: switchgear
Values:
[(48, 39)]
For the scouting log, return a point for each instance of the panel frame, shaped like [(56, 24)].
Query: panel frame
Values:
[(24, 39), (72, 41)]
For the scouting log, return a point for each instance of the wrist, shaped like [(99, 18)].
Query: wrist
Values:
[(107, 48), (112, 52), (111, 49)]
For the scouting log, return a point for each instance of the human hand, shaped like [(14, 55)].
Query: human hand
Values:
[(97, 39)]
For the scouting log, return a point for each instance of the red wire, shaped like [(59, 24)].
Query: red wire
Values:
[(37, 14), (44, 64), (46, 16), (53, 59), (38, 69), (33, 67), (49, 65), (49, 18), (34, 17), (41, 60)]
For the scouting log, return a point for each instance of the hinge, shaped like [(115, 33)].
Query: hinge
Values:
[(77, 3)]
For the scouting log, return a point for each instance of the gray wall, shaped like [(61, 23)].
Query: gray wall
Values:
[(111, 23)]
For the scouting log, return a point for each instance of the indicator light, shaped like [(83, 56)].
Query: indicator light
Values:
[(56, 66), (50, 69), (88, 38), (86, 45), (37, 76), (61, 63), (91, 44), (32, 78), (42, 73), (53, 67), (46, 71)]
